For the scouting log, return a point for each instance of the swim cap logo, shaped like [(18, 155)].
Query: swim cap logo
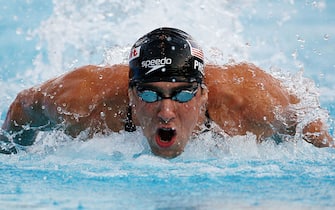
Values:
[(199, 66), (156, 64), (134, 53)]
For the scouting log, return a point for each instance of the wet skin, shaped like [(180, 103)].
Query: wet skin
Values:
[(241, 98), (168, 124)]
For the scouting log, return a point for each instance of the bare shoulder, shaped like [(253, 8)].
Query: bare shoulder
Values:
[(239, 73), (242, 97), (87, 79), (81, 95), (84, 87), (248, 81), (88, 97)]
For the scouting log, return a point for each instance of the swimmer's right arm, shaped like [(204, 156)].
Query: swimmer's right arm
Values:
[(74, 102), (35, 109), (23, 121)]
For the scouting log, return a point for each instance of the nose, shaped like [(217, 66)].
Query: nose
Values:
[(166, 111)]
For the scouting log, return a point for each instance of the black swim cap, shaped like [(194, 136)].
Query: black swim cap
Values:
[(168, 55)]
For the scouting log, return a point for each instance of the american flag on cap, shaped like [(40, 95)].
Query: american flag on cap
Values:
[(195, 50)]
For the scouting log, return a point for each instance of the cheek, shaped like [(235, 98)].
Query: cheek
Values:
[(144, 112), (190, 113)]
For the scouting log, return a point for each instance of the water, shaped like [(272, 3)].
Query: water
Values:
[(293, 40)]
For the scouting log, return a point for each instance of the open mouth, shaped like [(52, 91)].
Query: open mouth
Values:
[(165, 137)]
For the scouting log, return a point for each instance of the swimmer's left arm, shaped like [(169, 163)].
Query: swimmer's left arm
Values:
[(316, 133)]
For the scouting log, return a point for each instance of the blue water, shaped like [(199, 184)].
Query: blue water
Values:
[(41, 39)]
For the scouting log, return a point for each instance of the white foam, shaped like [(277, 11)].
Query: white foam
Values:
[(81, 32), (100, 32)]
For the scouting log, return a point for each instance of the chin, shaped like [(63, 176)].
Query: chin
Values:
[(168, 154)]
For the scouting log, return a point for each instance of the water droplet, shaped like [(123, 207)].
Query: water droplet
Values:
[(317, 52), (100, 76), (326, 37), (102, 115), (19, 31), (38, 47), (322, 75), (59, 109), (295, 54), (163, 69), (300, 39)]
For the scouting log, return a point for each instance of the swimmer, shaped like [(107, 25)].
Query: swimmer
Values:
[(165, 90)]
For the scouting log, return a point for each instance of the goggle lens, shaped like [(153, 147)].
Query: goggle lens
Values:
[(181, 96)]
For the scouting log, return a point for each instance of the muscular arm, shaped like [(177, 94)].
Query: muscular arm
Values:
[(23, 120), (89, 97), (243, 98), (25, 117)]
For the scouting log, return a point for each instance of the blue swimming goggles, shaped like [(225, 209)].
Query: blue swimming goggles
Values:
[(150, 95)]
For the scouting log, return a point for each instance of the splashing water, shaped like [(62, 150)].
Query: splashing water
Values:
[(119, 171)]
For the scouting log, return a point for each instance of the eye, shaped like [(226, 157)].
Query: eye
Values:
[(148, 96), (184, 96)]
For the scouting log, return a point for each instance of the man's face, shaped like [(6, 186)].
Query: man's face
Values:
[(167, 123)]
